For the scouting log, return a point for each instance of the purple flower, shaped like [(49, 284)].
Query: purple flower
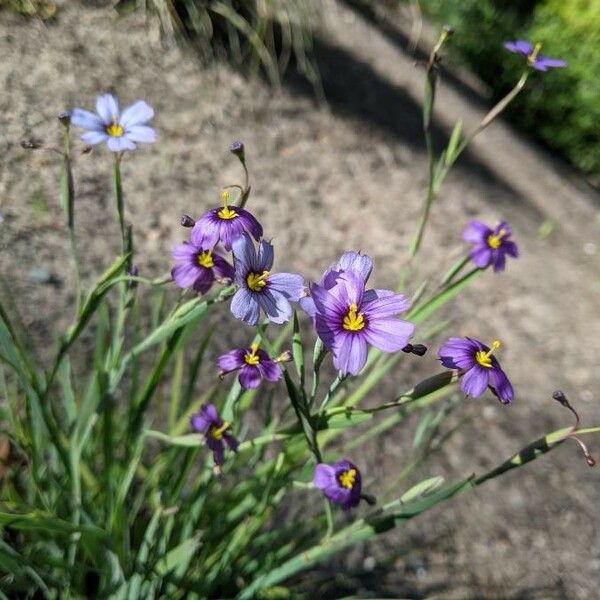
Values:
[(216, 431), (121, 131), (258, 287), (535, 60), (348, 318), (340, 483), (490, 246), (224, 224), (197, 267), (478, 367), (253, 364)]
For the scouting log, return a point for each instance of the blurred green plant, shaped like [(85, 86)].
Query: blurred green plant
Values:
[(561, 108), (44, 9), (257, 35)]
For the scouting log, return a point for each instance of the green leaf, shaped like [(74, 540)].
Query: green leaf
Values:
[(453, 144), (298, 350), (179, 556)]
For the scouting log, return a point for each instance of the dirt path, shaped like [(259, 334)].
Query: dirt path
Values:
[(326, 180)]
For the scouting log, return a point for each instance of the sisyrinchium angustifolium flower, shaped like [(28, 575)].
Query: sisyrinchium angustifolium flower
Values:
[(120, 130), (198, 268), (480, 369), (253, 364), (215, 430), (225, 224), (535, 60), (490, 246), (339, 482), (348, 317), (258, 288)]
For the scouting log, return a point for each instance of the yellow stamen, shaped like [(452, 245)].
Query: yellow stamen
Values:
[(114, 129), (353, 321), (485, 358), (205, 259), (257, 282), (535, 53), (216, 433), (251, 358), (495, 241), (226, 212), (347, 478)]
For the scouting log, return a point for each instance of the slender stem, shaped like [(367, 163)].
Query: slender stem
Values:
[(118, 188), (333, 388)]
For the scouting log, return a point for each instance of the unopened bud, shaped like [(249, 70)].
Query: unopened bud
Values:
[(238, 149), (64, 118), (187, 221), (448, 30), (418, 349), (559, 396), (133, 272), (285, 356)]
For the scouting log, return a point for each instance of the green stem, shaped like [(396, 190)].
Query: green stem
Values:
[(118, 188)]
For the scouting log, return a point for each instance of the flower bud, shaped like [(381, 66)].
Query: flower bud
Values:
[(238, 149), (559, 396), (187, 221), (418, 349), (64, 118)]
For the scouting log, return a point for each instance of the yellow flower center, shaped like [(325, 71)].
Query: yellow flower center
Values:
[(114, 129), (353, 321), (485, 358), (251, 358), (226, 213), (347, 478), (216, 433), (533, 56), (495, 241), (256, 282), (205, 259)]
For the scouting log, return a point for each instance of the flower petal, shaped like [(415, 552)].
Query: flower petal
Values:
[(500, 385), (324, 476), (275, 305), (138, 113), (94, 137), (185, 274), (141, 133), (475, 381), (388, 305), (249, 377), (288, 284), (264, 256), (119, 144), (388, 335), (86, 120), (108, 108), (350, 353), (244, 257), (361, 264), (481, 256), (270, 370), (245, 307), (475, 232), (184, 252), (205, 233), (232, 360)]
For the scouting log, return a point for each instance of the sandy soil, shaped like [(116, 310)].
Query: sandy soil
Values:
[(326, 179)]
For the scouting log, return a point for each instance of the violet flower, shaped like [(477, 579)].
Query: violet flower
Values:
[(478, 367), (253, 365), (340, 482), (535, 60), (348, 318), (198, 268), (258, 287), (358, 263), (120, 131), (215, 430), (490, 246), (224, 224)]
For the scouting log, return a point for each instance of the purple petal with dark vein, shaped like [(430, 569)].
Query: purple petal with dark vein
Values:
[(388, 335), (387, 306), (475, 381), (232, 360), (499, 261), (511, 249), (108, 108), (289, 284), (349, 289), (185, 274), (500, 385), (245, 307), (250, 224), (264, 256), (249, 377), (324, 476), (232, 441), (327, 304), (86, 120), (205, 233), (138, 113), (371, 295), (275, 305), (361, 264), (204, 280), (350, 352), (326, 332), (244, 256), (270, 370), (222, 269)]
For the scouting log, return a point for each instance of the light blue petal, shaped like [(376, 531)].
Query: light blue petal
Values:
[(138, 113), (244, 307), (86, 120), (118, 144), (108, 108), (94, 137), (141, 133)]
